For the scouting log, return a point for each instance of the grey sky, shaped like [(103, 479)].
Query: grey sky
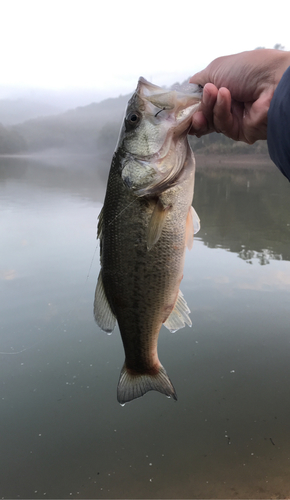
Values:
[(107, 45)]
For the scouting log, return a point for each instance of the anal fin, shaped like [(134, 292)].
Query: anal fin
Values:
[(179, 315), (103, 314)]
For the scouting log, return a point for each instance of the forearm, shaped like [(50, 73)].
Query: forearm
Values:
[(278, 127)]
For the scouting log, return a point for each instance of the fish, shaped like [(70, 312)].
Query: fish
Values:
[(146, 223)]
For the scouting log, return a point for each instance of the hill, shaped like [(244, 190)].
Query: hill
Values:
[(13, 111), (87, 128), (94, 129)]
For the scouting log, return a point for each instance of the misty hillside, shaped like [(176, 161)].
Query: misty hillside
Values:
[(86, 128), (95, 129), (61, 99), (91, 128), (13, 111)]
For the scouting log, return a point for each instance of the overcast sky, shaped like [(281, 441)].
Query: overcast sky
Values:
[(106, 45)]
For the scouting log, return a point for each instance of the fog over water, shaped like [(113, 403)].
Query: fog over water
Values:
[(63, 433)]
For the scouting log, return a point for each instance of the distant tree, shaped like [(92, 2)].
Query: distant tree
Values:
[(11, 142), (107, 137), (278, 46)]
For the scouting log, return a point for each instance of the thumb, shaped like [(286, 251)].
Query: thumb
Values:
[(255, 117), (200, 78)]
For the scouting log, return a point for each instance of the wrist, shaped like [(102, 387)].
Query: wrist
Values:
[(282, 62)]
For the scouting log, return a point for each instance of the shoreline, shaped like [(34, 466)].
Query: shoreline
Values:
[(257, 161)]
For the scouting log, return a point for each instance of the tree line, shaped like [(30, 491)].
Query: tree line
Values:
[(95, 129), (97, 136)]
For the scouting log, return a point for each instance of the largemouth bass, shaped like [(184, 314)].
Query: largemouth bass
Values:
[(144, 227)]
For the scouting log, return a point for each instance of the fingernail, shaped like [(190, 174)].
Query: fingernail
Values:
[(219, 99), (206, 96)]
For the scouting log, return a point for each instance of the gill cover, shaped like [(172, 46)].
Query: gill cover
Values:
[(153, 135)]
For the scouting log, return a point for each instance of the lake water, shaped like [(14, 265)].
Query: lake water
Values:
[(63, 434)]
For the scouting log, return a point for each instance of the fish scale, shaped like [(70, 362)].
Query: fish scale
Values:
[(144, 230)]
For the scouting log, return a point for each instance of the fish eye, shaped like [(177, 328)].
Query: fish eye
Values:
[(132, 120), (133, 117)]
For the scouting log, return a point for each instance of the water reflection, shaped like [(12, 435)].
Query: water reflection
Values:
[(246, 211), (63, 434)]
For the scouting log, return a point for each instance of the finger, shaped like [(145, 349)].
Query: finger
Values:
[(209, 97), (222, 116), (199, 124), (202, 120), (199, 78), (255, 117)]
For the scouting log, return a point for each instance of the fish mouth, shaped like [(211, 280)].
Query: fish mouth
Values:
[(182, 104), (163, 166), (184, 91)]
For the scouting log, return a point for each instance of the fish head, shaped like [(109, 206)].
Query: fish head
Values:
[(153, 137)]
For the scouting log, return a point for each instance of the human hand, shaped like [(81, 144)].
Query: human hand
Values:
[(237, 93)]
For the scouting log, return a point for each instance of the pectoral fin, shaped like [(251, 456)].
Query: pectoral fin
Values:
[(103, 314), (179, 315), (192, 227), (195, 221), (156, 223)]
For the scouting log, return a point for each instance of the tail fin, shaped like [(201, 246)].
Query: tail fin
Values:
[(134, 386)]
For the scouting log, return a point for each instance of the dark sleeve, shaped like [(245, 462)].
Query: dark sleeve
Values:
[(278, 128)]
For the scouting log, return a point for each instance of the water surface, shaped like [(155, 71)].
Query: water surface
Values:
[(63, 434)]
